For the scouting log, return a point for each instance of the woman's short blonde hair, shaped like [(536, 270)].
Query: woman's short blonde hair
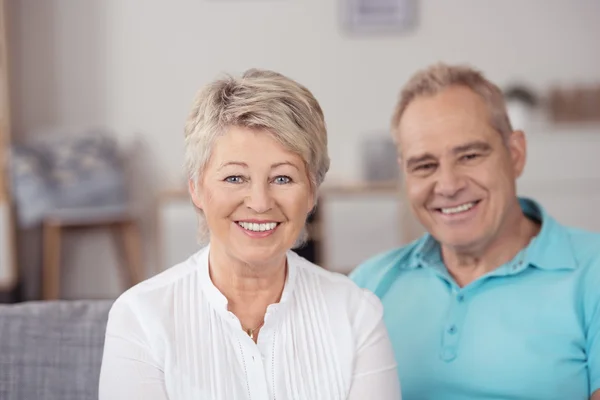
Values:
[(262, 100), (438, 77)]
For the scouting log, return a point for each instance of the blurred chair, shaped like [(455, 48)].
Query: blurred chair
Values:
[(117, 222), (68, 183)]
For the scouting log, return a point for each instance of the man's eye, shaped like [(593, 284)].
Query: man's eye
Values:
[(234, 179), (471, 156), (425, 167), (282, 180)]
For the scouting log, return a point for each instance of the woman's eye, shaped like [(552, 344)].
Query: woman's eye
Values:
[(234, 179), (282, 180)]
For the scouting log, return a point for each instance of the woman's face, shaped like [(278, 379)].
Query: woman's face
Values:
[(255, 195)]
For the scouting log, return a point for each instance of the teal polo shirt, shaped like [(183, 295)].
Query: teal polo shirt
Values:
[(528, 330)]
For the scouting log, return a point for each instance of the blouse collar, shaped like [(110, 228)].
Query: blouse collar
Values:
[(219, 301)]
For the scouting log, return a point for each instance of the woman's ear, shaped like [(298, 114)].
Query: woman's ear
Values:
[(194, 193), (312, 202)]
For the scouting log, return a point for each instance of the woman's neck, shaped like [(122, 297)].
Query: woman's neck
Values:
[(249, 289)]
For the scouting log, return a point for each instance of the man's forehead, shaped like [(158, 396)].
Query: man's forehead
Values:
[(435, 122), (453, 104), (437, 140), (441, 132)]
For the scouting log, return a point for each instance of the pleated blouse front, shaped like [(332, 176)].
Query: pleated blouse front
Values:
[(172, 337)]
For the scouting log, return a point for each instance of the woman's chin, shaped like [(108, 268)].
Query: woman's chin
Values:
[(260, 255)]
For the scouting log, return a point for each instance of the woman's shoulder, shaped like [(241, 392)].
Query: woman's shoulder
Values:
[(335, 285), (153, 290)]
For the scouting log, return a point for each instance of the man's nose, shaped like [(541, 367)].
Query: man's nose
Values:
[(449, 181)]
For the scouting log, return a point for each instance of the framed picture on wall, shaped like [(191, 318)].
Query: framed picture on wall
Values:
[(378, 16)]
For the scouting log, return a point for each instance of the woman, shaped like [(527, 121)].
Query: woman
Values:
[(246, 317)]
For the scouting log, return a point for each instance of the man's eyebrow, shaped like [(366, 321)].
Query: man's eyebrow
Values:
[(463, 148), (419, 159), (475, 145)]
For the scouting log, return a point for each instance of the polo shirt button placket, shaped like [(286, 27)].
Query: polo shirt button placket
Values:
[(451, 334), (448, 354)]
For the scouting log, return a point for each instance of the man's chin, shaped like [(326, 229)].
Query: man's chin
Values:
[(458, 242)]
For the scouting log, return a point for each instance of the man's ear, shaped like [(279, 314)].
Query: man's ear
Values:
[(517, 146), (194, 194)]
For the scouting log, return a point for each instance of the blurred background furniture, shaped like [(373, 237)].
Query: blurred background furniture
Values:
[(118, 223), (72, 182), (8, 270), (52, 350), (76, 69)]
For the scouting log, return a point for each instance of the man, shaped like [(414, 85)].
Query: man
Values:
[(498, 300)]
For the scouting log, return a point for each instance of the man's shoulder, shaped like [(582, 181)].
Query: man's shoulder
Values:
[(374, 270), (586, 250), (585, 243), (581, 248)]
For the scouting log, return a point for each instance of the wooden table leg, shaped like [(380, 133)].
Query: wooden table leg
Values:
[(51, 261), (131, 251)]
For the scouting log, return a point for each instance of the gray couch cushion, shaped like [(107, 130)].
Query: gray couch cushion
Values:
[(51, 350)]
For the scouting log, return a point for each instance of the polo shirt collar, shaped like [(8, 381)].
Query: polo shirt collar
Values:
[(551, 249)]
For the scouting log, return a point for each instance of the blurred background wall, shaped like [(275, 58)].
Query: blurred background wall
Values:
[(133, 66)]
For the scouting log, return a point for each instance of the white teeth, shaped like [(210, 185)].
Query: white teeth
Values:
[(457, 209), (258, 227)]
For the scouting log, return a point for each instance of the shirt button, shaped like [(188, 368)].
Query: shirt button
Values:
[(448, 355), (460, 298), (452, 329), (518, 265)]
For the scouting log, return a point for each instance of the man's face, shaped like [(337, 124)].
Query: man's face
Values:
[(460, 173)]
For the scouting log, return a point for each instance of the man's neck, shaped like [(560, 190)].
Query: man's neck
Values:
[(467, 265)]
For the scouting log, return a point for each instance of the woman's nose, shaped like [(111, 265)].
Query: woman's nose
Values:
[(259, 199)]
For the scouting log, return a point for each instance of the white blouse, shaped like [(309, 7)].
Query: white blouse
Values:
[(172, 337)]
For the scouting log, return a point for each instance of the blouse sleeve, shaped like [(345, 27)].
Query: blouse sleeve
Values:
[(129, 369), (375, 371)]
